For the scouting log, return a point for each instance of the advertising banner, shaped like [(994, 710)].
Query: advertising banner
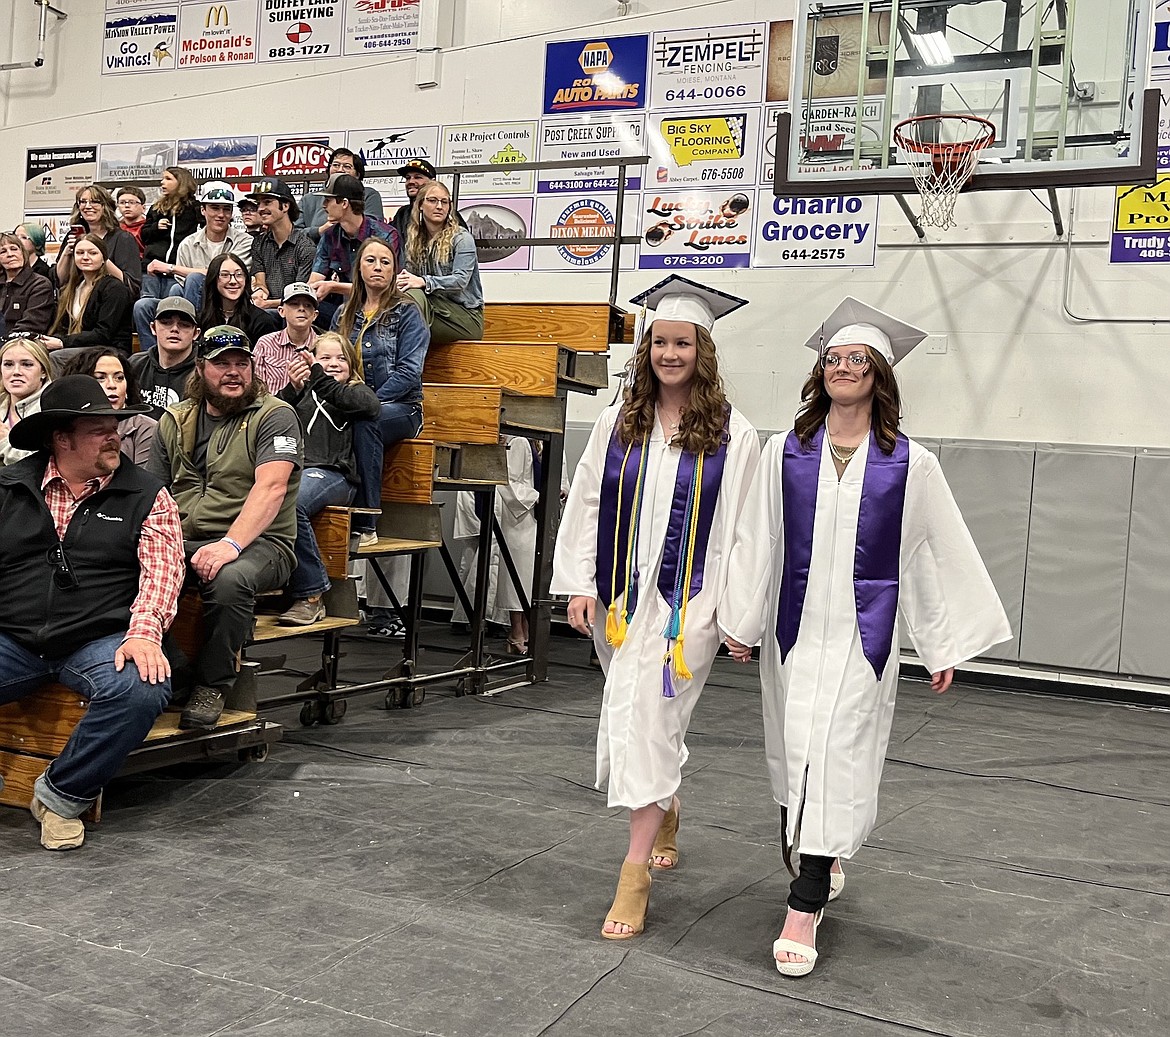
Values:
[(585, 137), (1160, 42), (582, 216), (300, 158), (701, 228), (217, 34), (1141, 224), (56, 228), (377, 26), (821, 231), (703, 148), (52, 176), (292, 30), (221, 158), (602, 74), (497, 143), (494, 222), (839, 52), (701, 67), (828, 128), (385, 149), (140, 41), (140, 164)]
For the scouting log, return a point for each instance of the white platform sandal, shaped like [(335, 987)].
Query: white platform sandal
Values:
[(836, 884), (797, 968)]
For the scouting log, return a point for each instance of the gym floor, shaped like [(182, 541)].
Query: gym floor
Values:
[(445, 871)]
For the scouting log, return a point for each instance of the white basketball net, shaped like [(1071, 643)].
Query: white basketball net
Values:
[(942, 152)]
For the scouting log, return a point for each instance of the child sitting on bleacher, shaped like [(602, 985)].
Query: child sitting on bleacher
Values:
[(326, 389)]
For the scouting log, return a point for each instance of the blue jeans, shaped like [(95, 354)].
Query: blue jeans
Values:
[(320, 487), (122, 708), (396, 422), (192, 290), (145, 306)]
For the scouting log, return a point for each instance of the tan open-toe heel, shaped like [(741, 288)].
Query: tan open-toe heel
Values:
[(666, 841), (630, 901)]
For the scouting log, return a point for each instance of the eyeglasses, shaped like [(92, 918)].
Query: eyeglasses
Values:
[(63, 575), (232, 275), (342, 167), (857, 361), (443, 202)]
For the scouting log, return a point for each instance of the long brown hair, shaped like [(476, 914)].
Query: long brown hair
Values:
[(702, 421), (183, 196), (424, 251), (65, 319), (886, 405), (357, 297), (109, 216)]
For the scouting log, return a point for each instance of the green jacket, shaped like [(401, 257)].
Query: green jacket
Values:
[(209, 507)]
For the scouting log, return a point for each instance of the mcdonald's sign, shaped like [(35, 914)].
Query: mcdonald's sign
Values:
[(217, 15)]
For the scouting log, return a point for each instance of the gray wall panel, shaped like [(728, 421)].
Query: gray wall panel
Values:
[(1075, 576), (1145, 648), (992, 484)]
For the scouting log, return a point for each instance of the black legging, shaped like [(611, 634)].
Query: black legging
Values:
[(810, 889)]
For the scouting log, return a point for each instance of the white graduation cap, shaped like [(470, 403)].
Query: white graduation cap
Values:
[(678, 298), (855, 324)]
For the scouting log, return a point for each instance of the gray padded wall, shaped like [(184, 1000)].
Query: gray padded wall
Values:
[(1145, 648), (1077, 546), (992, 484)]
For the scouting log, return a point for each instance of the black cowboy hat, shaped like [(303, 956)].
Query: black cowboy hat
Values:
[(74, 396)]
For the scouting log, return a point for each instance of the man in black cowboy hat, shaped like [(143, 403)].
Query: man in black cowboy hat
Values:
[(95, 545)]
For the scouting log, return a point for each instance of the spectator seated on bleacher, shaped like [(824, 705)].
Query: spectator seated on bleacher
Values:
[(131, 201), (25, 370), (283, 253), (172, 218), (27, 300), (416, 174), (276, 350), (327, 391), (442, 268), (32, 237), (162, 372), (227, 299), (111, 367), (94, 213), (388, 331), (231, 455), (217, 202), (94, 306), (313, 218), (93, 618)]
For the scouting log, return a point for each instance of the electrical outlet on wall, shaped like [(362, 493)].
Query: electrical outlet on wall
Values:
[(936, 343)]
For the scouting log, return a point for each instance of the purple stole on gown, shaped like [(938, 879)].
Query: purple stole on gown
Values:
[(879, 542)]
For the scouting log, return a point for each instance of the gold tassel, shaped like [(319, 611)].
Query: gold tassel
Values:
[(680, 663), (612, 635)]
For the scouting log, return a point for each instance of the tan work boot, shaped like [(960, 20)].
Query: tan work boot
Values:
[(57, 832)]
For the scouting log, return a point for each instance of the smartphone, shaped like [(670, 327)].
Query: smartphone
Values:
[(77, 231)]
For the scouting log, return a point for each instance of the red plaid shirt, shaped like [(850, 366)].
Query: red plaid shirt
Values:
[(160, 552)]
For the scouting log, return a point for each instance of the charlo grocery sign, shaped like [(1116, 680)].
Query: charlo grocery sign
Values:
[(297, 158)]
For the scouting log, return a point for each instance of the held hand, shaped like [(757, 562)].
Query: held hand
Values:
[(407, 280), (299, 370), (939, 682), (157, 266), (210, 558), (580, 610), (259, 294), (51, 343), (741, 653), (147, 656), (324, 288), (328, 225)]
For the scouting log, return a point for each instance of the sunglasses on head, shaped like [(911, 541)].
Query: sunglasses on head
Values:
[(222, 339), (219, 194)]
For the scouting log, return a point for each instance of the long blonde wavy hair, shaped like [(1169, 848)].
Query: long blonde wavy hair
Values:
[(426, 251), (701, 426)]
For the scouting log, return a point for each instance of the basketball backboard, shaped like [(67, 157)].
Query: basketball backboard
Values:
[(1062, 81)]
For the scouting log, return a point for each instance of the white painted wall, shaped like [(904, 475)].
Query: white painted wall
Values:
[(1017, 366)]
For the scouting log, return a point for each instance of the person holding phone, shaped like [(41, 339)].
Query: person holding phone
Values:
[(94, 212), (93, 308)]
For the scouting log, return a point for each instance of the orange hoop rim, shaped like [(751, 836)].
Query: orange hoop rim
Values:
[(984, 136)]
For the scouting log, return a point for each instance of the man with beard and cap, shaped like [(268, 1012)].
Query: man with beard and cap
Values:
[(94, 616), (231, 454)]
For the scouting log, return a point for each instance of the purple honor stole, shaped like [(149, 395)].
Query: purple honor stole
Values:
[(684, 552), (879, 542)]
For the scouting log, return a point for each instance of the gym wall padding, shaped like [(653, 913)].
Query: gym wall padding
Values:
[(1145, 640)]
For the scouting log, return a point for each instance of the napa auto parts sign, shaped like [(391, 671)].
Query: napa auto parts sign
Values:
[(602, 74)]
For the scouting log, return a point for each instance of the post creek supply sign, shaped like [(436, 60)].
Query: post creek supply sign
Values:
[(602, 74), (297, 29), (700, 67), (705, 228), (704, 148), (607, 136), (817, 231)]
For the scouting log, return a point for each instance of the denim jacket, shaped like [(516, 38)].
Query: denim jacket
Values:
[(393, 349)]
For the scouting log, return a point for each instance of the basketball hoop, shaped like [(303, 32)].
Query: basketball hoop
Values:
[(942, 152)]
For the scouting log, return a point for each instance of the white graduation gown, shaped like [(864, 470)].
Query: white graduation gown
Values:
[(640, 748), (826, 716), (515, 506)]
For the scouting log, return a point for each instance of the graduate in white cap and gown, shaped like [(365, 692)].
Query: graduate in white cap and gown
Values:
[(642, 553), (848, 524)]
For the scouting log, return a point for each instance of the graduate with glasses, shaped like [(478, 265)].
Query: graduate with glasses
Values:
[(848, 525)]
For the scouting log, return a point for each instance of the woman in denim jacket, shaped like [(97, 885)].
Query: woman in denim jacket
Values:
[(391, 339)]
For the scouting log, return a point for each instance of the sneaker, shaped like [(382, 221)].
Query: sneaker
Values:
[(203, 710), (368, 538), (57, 832), (303, 613), (387, 630)]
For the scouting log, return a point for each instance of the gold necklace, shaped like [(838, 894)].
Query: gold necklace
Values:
[(843, 455)]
